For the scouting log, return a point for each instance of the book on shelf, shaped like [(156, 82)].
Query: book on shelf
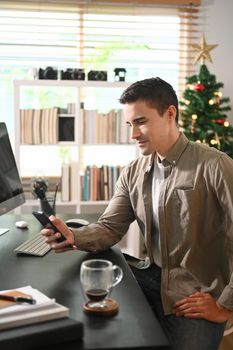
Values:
[(106, 182), (14, 314), (65, 182), (53, 125), (26, 126), (36, 129), (74, 183)]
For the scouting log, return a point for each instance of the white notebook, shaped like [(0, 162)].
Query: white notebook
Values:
[(19, 314)]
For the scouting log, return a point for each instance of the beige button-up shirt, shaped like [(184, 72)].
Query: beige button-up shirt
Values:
[(195, 219)]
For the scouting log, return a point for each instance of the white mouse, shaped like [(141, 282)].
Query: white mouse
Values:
[(21, 224)]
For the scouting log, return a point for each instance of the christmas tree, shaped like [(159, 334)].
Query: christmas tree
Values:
[(203, 109)]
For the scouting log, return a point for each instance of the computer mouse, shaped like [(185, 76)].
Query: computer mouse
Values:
[(21, 224), (76, 223)]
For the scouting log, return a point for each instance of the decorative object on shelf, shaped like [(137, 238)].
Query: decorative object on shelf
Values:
[(47, 204), (48, 73), (120, 74), (33, 72), (73, 74), (101, 75), (66, 127)]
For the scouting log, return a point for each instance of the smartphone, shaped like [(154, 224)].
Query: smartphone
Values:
[(45, 222)]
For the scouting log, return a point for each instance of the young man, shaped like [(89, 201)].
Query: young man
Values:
[(181, 194)]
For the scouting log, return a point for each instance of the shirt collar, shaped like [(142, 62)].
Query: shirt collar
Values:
[(176, 151), (173, 155)]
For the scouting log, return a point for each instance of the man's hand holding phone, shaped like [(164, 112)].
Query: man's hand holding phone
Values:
[(57, 233)]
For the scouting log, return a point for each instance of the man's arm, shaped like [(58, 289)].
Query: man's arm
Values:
[(109, 229)]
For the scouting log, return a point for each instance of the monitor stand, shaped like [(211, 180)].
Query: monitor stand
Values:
[(3, 230)]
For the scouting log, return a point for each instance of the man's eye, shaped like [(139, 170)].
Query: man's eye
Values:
[(140, 122)]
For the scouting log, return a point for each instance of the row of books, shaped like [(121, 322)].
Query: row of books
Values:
[(102, 128), (38, 126), (44, 126), (98, 183)]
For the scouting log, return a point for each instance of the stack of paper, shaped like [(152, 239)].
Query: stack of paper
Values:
[(19, 314)]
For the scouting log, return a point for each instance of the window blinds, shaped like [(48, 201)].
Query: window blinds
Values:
[(146, 38)]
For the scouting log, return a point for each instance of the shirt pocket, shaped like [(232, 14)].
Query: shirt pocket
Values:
[(186, 204)]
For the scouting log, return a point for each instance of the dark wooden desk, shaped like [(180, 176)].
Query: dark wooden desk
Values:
[(57, 275)]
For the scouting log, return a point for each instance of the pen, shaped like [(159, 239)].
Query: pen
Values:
[(17, 299)]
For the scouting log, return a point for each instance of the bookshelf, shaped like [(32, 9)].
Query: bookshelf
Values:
[(80, 124)]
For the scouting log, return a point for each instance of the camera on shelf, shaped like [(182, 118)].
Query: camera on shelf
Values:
[(97, 75), (73, 74), (120, 74), (48, 73)]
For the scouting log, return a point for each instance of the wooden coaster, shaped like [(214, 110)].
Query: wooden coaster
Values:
[(110, 308)]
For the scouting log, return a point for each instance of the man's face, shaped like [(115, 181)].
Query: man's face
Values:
[(151, 131)]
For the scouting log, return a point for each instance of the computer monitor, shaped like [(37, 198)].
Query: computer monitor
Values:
[(11, 190)]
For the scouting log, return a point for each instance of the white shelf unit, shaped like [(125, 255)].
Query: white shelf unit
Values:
[(81, 89), (131, 243)]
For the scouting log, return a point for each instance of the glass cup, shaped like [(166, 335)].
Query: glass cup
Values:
[(98, 277)]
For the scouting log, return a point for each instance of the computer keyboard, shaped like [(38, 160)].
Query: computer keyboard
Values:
[(34, 246)]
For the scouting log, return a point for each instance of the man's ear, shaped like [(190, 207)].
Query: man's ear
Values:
[(172, 112)]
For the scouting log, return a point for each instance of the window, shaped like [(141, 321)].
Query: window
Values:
[(145, 39)]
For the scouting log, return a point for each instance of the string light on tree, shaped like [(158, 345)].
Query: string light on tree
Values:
[(194, 118), (211, 102)]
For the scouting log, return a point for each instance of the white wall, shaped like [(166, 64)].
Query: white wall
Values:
[(218, 29)]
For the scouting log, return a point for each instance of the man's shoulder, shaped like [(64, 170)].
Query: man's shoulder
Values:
[(210, 157), (205, 151)]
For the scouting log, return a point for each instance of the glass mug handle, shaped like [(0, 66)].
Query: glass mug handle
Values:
[(117, 275)]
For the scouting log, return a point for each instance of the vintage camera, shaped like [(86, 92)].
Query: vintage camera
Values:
[(73, 74), (97, 75), (120, 74), (48, 73)]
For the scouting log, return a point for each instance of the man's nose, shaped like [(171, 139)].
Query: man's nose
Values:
[(135, 132)]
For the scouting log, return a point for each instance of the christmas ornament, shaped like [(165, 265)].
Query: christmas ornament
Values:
[(220, 121), (199, 87), (203, 51)]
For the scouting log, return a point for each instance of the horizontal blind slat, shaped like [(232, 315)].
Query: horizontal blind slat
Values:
[(77, 36)]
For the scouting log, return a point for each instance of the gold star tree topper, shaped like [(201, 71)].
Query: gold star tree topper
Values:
[(203, 51)]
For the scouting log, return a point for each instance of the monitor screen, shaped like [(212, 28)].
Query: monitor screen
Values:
[(11, 191)]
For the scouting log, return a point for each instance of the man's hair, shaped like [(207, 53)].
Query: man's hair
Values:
[(156, 92)]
